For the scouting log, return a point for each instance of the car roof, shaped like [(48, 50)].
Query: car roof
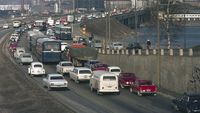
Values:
[(65, 62), (82, 68), (33, 63), (54, 74), (113, 67), (103, 73)]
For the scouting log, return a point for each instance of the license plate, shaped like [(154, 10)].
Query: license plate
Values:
[(148, 90)]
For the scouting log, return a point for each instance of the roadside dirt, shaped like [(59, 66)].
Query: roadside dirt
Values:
[(20, 95)]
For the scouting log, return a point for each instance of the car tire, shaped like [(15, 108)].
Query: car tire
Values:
[(77, 81), (188, 110), (49, 88), (131, 90), (176, 107), (139, 94), (121, 85)]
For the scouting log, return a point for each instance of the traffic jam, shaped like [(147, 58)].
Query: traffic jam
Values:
[(77, 60)]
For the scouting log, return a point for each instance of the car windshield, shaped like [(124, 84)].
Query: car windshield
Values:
[(102, 65), (109, 78), (37, 65), (94, 62), (115, 70), (130, 75), (84, 72), (27, 56), (66, 64), (56, 78), (145, 83), (21, 51), (117, 44)]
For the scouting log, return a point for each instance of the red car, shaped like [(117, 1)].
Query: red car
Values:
[(99, 66), (126, 79), (13, 46), (143, 87)]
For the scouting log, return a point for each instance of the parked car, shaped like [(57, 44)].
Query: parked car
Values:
[(99, 66), (80, 74), (36, 68), (116, 45), (142, 86), (135, 46), (114, 69), (55, 81), (189, 103), (126, 79), (90, 63), (25, 58), (5, 26), (104, 82), (18, 52), (64, 67)]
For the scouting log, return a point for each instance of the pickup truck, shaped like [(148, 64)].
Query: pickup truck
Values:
[(141, 87), (64, 67), (55, 81)]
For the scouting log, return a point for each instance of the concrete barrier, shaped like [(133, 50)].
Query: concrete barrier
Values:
[(171, 52), (118, 51), (190, 52), (139, 52), (99, 50), (127, 52), (108, 51), (133, 52), (113, 52), (154, 51), (147, 51), (103, 51), (122, 51), (162, 53), (181, 52)]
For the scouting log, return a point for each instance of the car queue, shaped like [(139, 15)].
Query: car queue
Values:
[(102, 77)]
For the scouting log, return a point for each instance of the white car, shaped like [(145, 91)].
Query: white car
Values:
[(116, 45), (114, 69), (14, 37), (55, 81), (18, 52), (80, 74), (25, 58), (64, 67), (5, 26), (36, 68)]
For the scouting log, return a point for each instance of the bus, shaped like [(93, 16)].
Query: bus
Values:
[(32, 37), (48, 50), (63, 32)]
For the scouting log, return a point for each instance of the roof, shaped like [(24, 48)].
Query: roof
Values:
[(102, 73), (54, 74), (113, 67), (33, 63), (65, 62), (82, 68)]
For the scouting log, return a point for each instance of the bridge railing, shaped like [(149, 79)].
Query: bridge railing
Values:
[(163, 52)]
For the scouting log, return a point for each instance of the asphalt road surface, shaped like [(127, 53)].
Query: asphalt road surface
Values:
[(18, 93), (79, 97)]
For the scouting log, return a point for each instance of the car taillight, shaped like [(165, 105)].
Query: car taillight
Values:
[(102, 88)]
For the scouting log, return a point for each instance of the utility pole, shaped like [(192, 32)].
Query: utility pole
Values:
[(22, 7), (136, 20), (168, 34), (158, 44)]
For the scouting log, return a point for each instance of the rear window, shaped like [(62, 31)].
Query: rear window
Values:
[(27, 56), (109, 78), (67, 64), (21, 51), (37, 65), (115, 70), (145, 83), (84, 72), (117, 44), (57, 78)]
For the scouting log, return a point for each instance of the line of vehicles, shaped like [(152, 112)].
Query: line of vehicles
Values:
[(81, 65)]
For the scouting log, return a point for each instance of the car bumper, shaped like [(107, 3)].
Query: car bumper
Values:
[(38, 73), (109, 91), (58, 86)]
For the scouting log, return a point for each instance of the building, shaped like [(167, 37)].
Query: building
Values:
[(90, 4), (117, 4)]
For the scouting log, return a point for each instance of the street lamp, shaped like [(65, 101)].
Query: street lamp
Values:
[(136, 20)]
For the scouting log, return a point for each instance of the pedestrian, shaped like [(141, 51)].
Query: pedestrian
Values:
[(148, 44)]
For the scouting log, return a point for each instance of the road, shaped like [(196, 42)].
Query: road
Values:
[(18, 93), (82, 100)]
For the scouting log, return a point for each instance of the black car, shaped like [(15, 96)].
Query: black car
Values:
[(134, 45), (189, 103)]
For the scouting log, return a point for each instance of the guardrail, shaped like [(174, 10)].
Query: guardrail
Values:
[(163, 52)]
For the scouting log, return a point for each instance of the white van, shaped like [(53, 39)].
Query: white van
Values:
[(114, 69), (103, 81)]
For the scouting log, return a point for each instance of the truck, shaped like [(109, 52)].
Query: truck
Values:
[(79, 54)]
